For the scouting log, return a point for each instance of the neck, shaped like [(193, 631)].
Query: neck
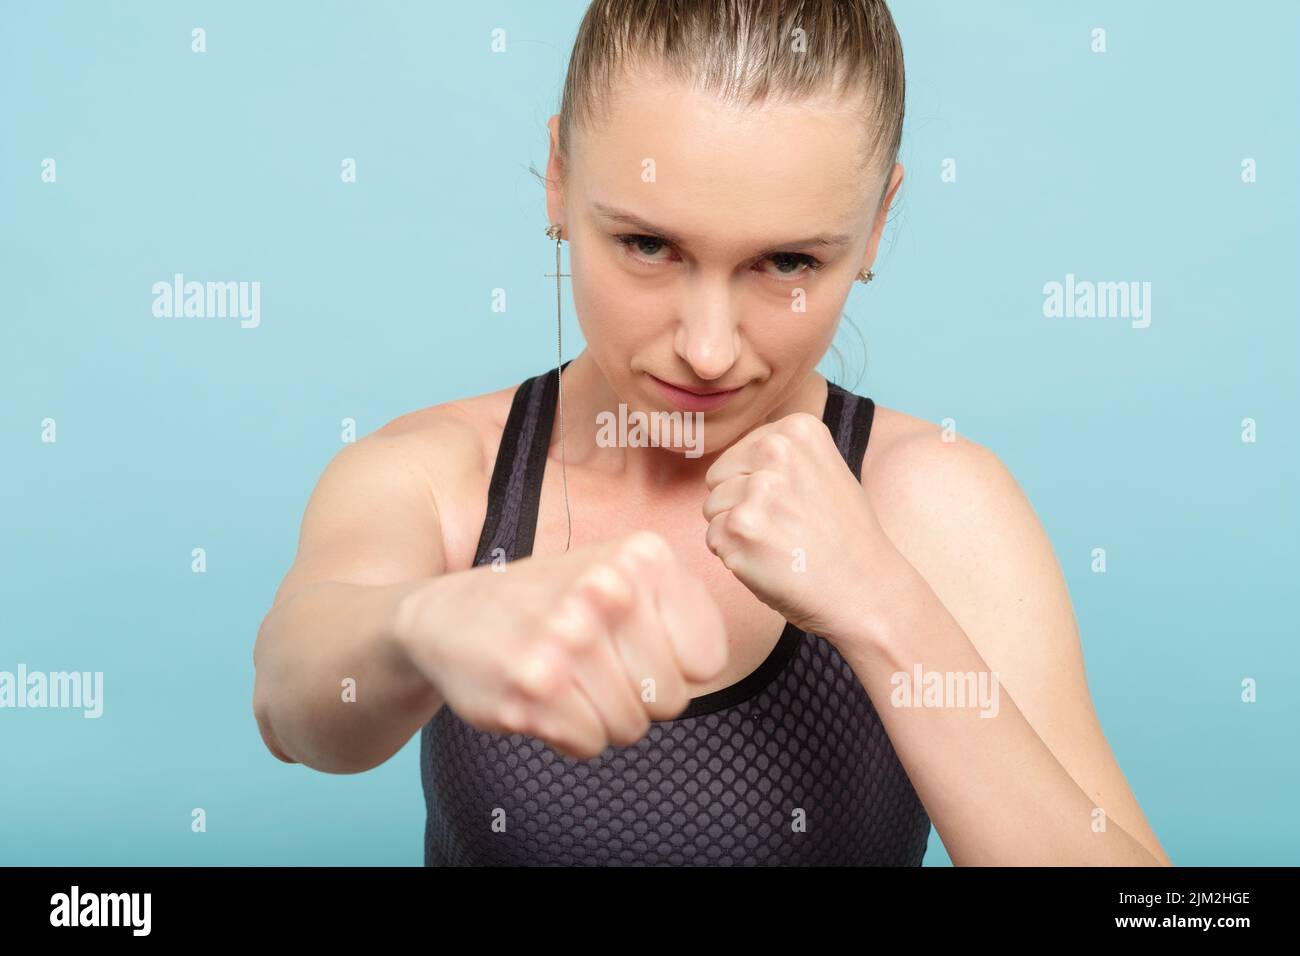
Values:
[(587, 394)]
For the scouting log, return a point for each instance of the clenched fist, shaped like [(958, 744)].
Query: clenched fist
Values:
[(580, 650)]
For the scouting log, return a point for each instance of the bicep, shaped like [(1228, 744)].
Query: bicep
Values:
[(983, 551)]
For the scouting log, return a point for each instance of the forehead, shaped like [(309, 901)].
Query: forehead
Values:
[(725, 175)]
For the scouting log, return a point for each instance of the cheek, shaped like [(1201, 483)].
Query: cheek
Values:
[(615, 312), (789, 336)]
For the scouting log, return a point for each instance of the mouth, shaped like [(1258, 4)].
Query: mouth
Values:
[(695, 400)]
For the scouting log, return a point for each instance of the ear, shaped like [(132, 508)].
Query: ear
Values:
[(554, 177), (895, 180)]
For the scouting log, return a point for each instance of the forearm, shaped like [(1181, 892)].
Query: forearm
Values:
[(334, 691), (992, 787)]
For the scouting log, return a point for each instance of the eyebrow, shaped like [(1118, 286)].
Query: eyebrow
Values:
[(614, 214)]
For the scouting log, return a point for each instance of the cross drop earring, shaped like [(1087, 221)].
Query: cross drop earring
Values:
[(553, 232)]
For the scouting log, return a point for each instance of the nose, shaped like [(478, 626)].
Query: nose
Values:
[(708, 335)]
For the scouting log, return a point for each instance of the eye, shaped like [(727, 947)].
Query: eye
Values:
[(636, 246), (789, 265), (793, 265)]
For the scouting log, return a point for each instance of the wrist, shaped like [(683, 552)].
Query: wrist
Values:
[(411, 625), (889, 601)]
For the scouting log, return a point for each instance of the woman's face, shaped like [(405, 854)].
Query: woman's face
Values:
[(714, 247)]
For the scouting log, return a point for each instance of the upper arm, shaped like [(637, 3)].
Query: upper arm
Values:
[(960, 518), (373, 517)]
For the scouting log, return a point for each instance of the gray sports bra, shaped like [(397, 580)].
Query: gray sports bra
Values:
[(790, 765)]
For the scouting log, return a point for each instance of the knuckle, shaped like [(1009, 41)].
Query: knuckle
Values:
[(671, 703), (574, 745), (776, 446), (512, 717), (579, 640), (804, 425), (745, 521), (634, 731), (539, 676), (648, 547), (766, 483), (677, 698), (592, 751), (569, 632), (714, 533), (606, 586)]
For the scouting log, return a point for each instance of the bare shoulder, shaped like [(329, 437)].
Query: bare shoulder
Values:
[(906, 455), (452, 446), (447, 439), (943, 499), (958, 515)]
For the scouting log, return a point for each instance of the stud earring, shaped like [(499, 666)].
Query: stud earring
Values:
[(866, 275), (553, 231)]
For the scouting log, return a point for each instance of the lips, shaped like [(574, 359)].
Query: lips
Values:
[(698, 391), (694, 400)]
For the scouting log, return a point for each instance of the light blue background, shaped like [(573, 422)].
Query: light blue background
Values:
[(175, 434)]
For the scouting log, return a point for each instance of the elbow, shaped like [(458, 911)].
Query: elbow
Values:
[(272, 745), (262, 696), (261, 714), (322, 762)]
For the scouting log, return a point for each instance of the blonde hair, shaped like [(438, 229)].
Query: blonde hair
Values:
[(744, 52)]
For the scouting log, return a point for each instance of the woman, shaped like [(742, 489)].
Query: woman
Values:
[(823, 628)]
